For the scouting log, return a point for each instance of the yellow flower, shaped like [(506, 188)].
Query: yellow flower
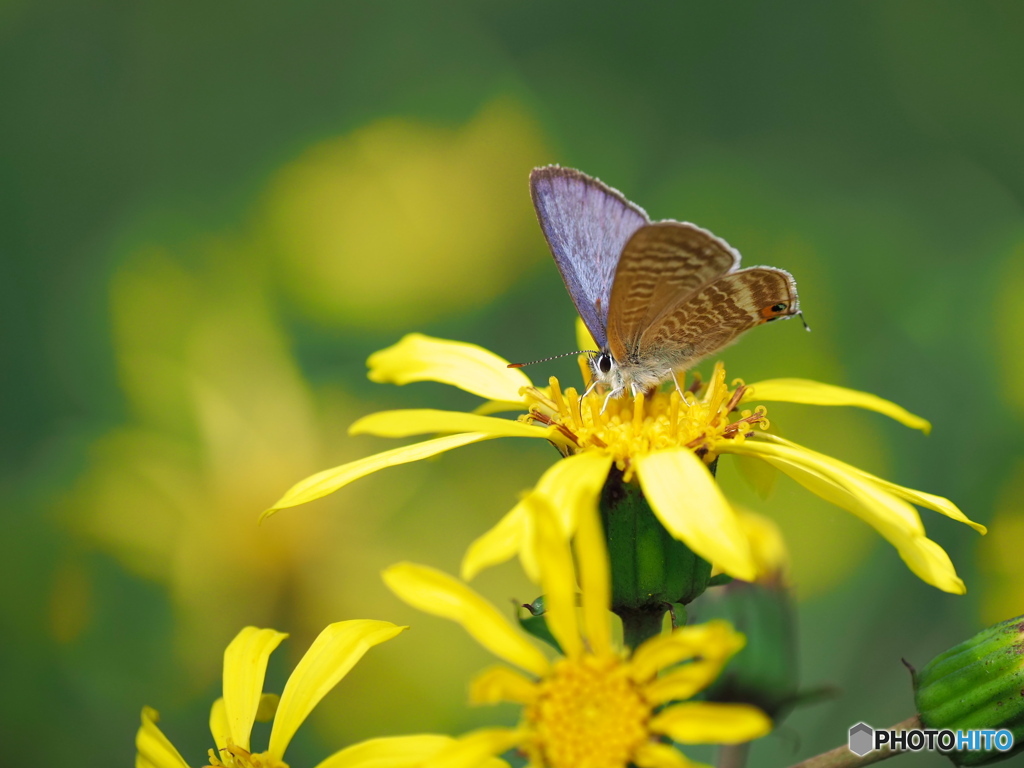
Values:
[(335, 651), (664, 441), (596, 706)]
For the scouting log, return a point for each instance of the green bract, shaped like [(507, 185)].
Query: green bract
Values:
[(649, 567), (978, 684), (764, 673)]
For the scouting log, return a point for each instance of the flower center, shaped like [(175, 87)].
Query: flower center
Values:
[(698, 419), (233, 756), (588, 714)]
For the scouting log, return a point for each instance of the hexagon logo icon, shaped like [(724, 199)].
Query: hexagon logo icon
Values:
[(862, 739)]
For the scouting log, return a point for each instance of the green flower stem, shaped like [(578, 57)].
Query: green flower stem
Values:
[(650, 570), (641, 624), (733, 755), (842, 757)]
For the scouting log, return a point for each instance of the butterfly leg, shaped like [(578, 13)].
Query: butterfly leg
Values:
[(589, 389), (676, 382), (613, 393)]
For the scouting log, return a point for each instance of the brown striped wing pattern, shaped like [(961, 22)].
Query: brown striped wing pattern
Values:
[(715, 315), (661, 265)]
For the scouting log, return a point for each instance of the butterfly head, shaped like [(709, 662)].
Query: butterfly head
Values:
[(606, 371), (632, 375), (779, 310)]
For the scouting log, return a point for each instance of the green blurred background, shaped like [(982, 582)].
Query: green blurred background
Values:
[(213, 212)]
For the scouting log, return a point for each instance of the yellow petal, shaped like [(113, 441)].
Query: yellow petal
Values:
[(153, 749), (220, 729), (690, 505), (477, 749), (873, 505), (937, 503), (569, 485), (931, 563), (498, 406), (438, 594), (334, 652), (595, 584), (572, 485), (654, 755), (815, 393), (929, 501), (330, 480), (499, 684), (557, 576), (245, 666), (833, 481), (390, 752), (761, 477), (267, 708), (497, 545), (427, 421), (892, 517), (683, 683), (712, 640), (700, 722), (466, 366), (766, 542)]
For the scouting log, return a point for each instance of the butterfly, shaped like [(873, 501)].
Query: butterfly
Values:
[(657, 297)]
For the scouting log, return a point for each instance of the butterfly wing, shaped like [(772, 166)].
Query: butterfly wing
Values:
[(586, 224), (661, 265), (716, 314)]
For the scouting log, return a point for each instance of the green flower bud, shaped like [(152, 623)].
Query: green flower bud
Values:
[(978, 684), (649, 568)]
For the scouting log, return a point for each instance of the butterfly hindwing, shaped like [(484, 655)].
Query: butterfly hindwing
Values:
[(716, 314), (661, 264), (586, 224)]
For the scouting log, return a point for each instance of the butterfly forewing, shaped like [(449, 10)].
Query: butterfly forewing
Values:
[(661, 265), (715, 315), (586, 224)]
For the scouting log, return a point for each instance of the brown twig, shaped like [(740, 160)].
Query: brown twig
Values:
[(842, 757)]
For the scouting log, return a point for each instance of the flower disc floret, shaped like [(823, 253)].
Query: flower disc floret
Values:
[(599, 705), (698, 419), (233, 756), (587, 714)]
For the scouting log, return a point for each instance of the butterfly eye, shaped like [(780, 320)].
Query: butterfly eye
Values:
[(780, 307), (604, 363)]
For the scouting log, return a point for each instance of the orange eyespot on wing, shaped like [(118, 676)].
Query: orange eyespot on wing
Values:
[(775, 311), (661, 264), (715, 316)]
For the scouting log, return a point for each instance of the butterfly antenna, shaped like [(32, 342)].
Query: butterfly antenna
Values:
[(806, 326), (577, 352)]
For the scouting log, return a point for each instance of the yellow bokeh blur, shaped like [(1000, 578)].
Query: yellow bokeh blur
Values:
[(221, 419), (401, 222), (999, 555)]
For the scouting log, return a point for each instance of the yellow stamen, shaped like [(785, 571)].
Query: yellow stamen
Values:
[(556, 393), (699, 419), (588, 714), (233, 756)]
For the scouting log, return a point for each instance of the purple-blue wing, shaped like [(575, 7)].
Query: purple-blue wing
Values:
[(586, 224)]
